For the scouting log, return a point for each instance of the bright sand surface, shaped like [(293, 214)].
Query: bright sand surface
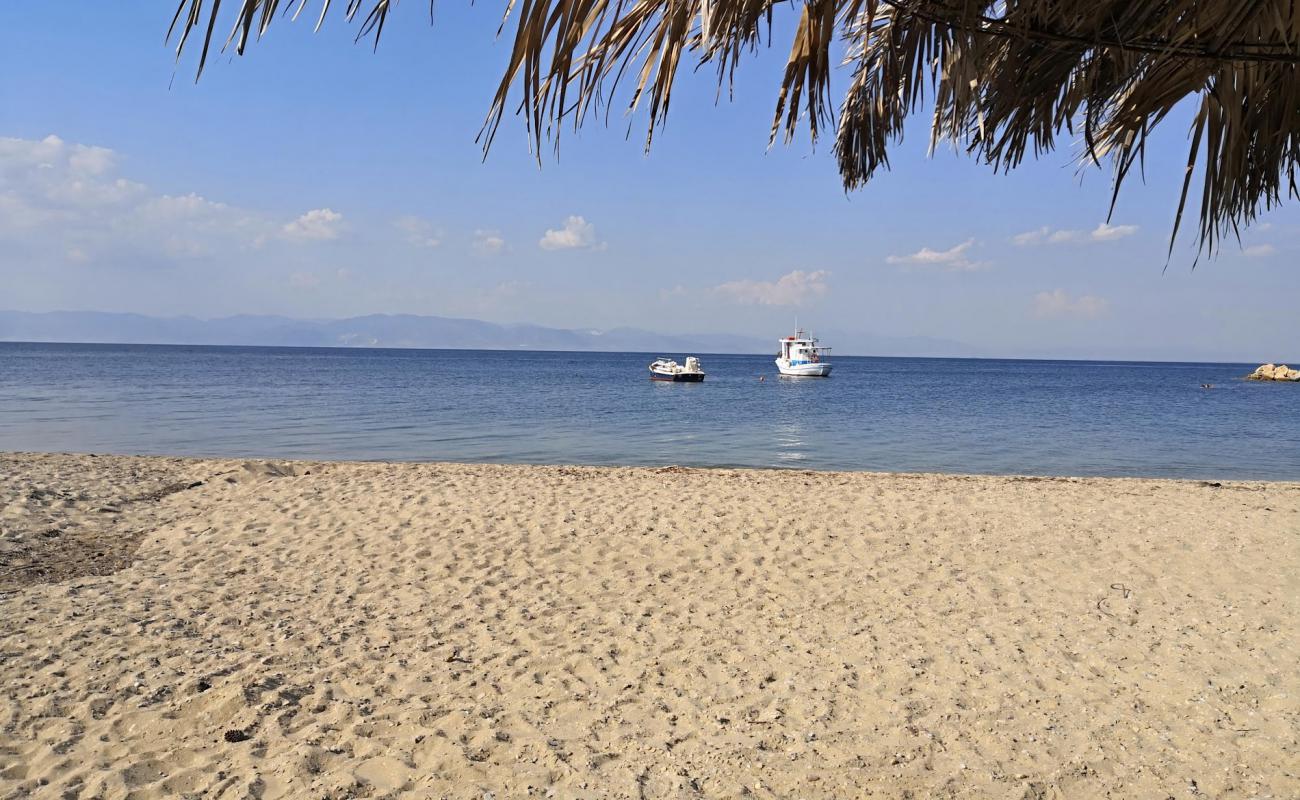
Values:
[(435, 630)]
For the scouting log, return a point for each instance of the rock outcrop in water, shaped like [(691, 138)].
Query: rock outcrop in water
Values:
[(1270, 372)]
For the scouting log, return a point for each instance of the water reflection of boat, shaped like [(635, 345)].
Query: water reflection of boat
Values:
[(665, 369)]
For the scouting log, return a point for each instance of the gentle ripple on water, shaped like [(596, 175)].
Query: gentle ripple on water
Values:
[(959, 415)]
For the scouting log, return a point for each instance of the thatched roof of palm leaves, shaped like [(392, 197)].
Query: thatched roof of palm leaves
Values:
[(1005, 79)]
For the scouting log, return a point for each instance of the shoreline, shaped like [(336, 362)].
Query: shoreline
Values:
[(1012, 476), (426, 629)]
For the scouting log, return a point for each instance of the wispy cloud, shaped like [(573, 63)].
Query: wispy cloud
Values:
[(1059, 304), (1045, 235), (576, 233), (418, 232), (319, 224), (1259, 251), (792, 289), (488, 242), (954, 259)]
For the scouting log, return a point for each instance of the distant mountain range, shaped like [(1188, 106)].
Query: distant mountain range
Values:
[(408, 330), (415, 331), (375, 330)]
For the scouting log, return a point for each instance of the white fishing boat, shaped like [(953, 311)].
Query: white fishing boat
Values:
[(801, 356), (665, 369)]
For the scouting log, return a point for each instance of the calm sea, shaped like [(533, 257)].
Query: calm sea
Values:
[(894, 414)]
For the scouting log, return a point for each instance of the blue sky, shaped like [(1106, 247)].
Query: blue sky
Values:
[(316, 178)]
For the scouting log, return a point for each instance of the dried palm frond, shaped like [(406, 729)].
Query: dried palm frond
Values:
[(1006, 77)]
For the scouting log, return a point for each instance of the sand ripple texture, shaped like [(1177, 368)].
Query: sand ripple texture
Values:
[(474, 631)]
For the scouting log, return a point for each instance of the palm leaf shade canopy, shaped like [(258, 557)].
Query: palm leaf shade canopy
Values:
[(1005, 79)]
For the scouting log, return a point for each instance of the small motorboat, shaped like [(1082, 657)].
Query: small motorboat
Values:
[(665, 369), (801, 356)]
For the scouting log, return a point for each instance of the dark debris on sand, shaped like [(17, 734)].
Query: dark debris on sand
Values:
[(66, 517)]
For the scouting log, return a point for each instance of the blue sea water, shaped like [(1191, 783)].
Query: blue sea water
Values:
[(890, 414)]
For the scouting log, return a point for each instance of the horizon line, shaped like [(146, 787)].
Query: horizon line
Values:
[(527, 349)]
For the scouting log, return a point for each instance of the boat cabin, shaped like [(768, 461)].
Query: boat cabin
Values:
[(797, 350)]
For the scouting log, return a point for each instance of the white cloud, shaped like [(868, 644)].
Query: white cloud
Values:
[(53, 153), (91, 160), (1102, 233), (1105, 232), (1059, 303), (488, 242), (1259, 251), (65, 202), (792, 289), (954, 259), (319, 224), (304, 280), (419, 232), (49, 181), (576, 233)]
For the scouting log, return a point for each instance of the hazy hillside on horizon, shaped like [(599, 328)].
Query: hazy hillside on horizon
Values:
[(434, 332), (414, 331), (373, 330)]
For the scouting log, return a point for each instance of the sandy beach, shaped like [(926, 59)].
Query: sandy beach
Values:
[(205, 628)]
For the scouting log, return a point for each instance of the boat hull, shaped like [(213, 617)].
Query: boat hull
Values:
[(680, 377), (819, 370)]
